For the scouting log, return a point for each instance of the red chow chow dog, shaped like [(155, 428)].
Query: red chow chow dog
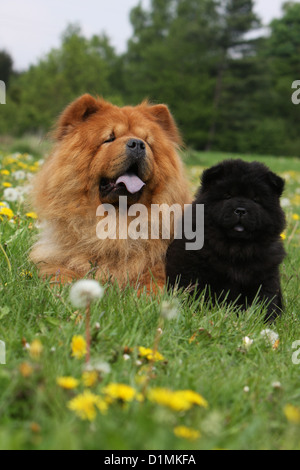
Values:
[(103, 152)]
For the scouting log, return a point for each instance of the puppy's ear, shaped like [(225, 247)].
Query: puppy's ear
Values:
[(276, 183), (163, 117), (78, 111), (210, 175)]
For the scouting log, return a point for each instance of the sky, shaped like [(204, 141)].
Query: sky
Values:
[(30, 28)]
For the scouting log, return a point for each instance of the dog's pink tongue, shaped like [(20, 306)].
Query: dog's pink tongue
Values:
[(132, 182)]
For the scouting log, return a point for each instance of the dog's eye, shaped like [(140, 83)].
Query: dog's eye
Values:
[(256, 199), (111, 138), (227, 196)]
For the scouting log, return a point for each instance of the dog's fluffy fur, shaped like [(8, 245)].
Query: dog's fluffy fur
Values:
[(242, 245), (93, 148)]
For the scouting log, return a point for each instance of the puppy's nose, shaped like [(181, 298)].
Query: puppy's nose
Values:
[(136, 147), (240, 211)]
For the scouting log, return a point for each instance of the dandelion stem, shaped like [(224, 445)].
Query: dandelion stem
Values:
[(293, 233), (6, 257), (152, 360), (88, 333)]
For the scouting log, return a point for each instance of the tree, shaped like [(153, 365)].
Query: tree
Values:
[(169, 59), (277, 131), (235, 61), (79, 66), (6, 67)]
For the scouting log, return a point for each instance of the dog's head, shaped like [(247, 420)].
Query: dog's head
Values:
[(106, 152), (242, 200)]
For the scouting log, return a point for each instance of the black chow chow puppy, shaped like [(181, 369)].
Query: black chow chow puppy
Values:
[(242, 246)]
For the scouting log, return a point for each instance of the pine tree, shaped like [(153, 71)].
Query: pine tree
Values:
[(234, 64)]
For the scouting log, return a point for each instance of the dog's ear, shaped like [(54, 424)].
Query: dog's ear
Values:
[(78, 111), (163, 117), (276, 182), (210, 175)]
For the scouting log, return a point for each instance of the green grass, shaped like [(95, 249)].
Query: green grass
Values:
[(202, 348)]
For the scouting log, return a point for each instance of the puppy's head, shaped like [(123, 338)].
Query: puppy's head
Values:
[(242, 200)]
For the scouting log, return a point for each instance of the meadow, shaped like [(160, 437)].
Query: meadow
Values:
[(199, 378)]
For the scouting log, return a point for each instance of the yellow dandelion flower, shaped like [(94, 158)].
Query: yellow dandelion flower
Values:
[(166, 397), (192, 397), (6, 184), (295, 217), (283, 236), (8, 160), (292, 413), (26, 274), (67, 382), (296, 200), (5, 172), (25, 369), (7, 212), (179, 400), (78, 347), (150, 355), (31, 215), (35, 349), (90, 378), (86, 404), (23, 165), (186, 433), (33, 168), (122, 392)]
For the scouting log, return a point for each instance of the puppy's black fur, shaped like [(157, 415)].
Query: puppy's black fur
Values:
[(242, 248)]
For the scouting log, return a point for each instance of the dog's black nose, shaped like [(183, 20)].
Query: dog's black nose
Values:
[(240, 211), (136, 147)]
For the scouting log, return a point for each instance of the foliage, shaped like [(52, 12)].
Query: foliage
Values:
[(227, 83), (201, 378)]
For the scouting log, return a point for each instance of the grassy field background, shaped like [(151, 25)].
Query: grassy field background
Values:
[(247, 393)]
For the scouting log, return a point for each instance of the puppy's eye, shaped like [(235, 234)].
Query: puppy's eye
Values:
[(111, 138), (227, 196), (256, 199)]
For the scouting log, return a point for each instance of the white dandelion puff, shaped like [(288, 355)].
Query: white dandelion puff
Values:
[(98, 365), (247, 342), (170, 309), (285, 202), (269, 336), (19, 175), (11, 195), (276, 385), (84, 292)]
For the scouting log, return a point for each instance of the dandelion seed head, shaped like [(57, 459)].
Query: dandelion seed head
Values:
[(84, 292), (12, 195), (269, 336), (19, 175), (247, 342), (97, 365), (170, 309)]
